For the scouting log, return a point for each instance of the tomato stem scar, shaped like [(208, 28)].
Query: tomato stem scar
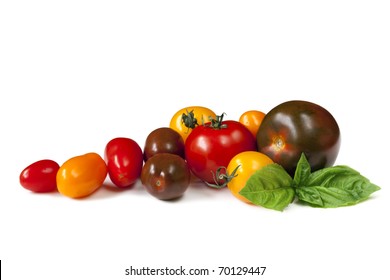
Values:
[(278, 143)]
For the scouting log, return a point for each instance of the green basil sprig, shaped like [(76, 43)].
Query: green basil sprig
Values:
[(272, 187), (332, 186)]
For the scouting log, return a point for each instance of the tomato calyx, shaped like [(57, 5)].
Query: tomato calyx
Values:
[(189, 120), (217, 122), (222, 179)]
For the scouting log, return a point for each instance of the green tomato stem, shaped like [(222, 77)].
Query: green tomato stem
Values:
[(221, 180)]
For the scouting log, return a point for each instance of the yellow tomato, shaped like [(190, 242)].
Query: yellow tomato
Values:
[(186, 119), (80, 176), (252, 120), (246, 164)]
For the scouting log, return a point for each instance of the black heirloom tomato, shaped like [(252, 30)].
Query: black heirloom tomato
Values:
[(163, 140), (298, 126), (166, 176)]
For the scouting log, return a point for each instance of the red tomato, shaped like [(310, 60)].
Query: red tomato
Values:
[(40, 176), (211, 146), (124, 160)]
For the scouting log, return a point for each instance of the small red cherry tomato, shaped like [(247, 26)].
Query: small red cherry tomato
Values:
[(40, 176), (124, 160)]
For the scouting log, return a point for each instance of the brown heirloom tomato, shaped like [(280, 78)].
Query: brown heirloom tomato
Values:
[(166, 176), (163, 140), (296, 127)]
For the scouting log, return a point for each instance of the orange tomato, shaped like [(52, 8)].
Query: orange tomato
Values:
[(252, 120), (245, 163), (193, 116), (80, 176)]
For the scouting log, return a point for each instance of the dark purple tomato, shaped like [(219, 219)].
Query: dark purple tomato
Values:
[(166, 176), (296, 127), (163, 140)]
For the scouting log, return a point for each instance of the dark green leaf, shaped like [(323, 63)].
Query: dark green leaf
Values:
[(334, 187), (302, 172), (269, 187)]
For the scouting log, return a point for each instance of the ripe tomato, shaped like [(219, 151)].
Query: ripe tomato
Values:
[(166, 176), (124, 160), (213, 145), (40, 176), (296, 126), (186, 119), (252, 120), (80, 176), (163, 140), (241, 167)]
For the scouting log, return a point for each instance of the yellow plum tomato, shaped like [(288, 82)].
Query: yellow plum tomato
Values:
[(82, 175)]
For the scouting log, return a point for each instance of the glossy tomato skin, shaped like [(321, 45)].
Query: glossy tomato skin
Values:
[(252, 120), (163, 140), (208, 149), (124, 160), (82, 175), (166, 176), (40, 176), (296, 127), (244, 165), (201, 114)]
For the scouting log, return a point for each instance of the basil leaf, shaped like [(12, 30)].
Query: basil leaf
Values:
[(302, 172), (269, 187), (334, 187)]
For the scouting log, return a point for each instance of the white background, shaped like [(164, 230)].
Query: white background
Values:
[(75, 74)]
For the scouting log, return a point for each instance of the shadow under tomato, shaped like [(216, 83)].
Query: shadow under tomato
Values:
[(52, 193), (198, 190), (170, 201), (108, 190)]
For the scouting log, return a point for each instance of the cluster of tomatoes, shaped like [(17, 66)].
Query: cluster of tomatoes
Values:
[(199, 142)]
